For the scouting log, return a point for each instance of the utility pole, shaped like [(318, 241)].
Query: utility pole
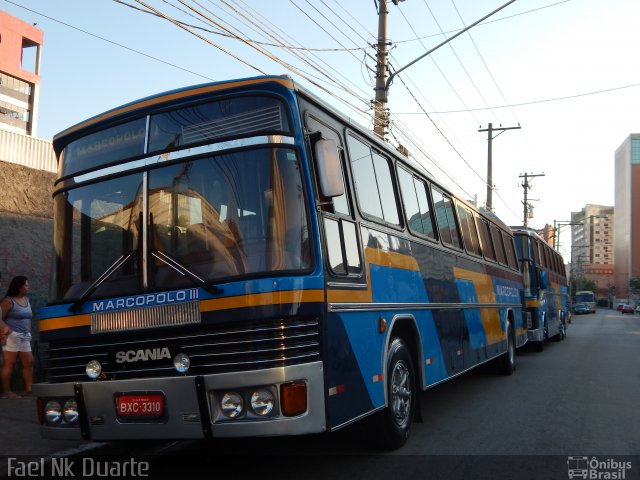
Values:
[(526, 185), (380, 117), (490, 137)]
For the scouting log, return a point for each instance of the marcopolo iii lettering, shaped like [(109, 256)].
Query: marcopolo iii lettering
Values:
[(147, 300)]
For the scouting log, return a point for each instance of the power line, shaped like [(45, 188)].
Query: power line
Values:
[(222, 34), (534, 102), (487, 22), (112, 42), (482, 58)]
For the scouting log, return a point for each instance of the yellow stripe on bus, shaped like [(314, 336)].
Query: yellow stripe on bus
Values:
[(240, 301), (373, 256), (262, 299), (483, 285), (65, 322)]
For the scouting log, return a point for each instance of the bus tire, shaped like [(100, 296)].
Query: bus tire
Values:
[(391, 426), (507, 362)]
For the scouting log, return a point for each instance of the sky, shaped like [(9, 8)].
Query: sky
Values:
[(566, 71)]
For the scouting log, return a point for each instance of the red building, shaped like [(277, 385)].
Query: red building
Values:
[(20, 50)]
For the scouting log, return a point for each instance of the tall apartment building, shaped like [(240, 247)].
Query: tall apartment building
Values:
[(627, 217), (592, 246), (20, 51)]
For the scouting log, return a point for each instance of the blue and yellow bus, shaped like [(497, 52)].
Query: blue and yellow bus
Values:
[(546, 288), (238, 259)]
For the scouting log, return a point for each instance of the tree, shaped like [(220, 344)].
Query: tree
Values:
[(581, 283), (634, 285)]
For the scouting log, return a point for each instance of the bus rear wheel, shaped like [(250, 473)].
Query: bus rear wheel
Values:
[(390, 427)]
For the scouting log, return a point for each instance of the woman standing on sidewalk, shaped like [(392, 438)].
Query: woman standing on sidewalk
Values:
[(16, 312)]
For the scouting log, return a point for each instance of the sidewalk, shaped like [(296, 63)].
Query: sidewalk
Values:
[(20, 434)]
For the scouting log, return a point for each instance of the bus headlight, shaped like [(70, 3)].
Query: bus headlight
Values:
[(93, 369), (70, 411), (262, 402), (181, 362), (52, 411), (231, 405)]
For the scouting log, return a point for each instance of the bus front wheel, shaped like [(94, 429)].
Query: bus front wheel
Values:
[(507, 363), (391, 426)]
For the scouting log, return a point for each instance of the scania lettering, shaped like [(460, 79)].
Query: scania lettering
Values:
[(248, 258), (144, 355)]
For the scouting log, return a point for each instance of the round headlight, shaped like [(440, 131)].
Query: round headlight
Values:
[(70, 411), (181, 362), (52, 411), (231, 405), (93, 369), (262, 402)]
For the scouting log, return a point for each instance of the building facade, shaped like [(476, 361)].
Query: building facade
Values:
[(20, 51), (27, 166), (592, 246), (627, 216)]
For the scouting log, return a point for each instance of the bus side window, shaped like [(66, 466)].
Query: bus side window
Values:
[(487, 244), (373, 182), (497, 243), (469, 233), (340, 229), (510, 250), (338, 204), (342, 246), (416, 204), (446, 218)]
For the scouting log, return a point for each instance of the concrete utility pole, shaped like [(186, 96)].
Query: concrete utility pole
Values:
[(490, 137), (526, 185), (380, 115)]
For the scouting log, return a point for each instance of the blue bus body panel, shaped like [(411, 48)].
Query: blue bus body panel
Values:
[(450, 338)]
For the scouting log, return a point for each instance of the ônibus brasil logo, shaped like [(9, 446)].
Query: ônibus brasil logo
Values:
[(594, 468)]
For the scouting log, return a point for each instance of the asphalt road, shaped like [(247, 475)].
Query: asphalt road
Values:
[(579, 399)]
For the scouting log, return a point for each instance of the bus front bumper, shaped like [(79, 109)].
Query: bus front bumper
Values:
[(191, 406)]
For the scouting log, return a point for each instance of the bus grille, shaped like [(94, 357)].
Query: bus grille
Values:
[(222, 348), (150, 317)]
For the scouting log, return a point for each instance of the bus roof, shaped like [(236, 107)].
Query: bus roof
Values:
[(122, 112)]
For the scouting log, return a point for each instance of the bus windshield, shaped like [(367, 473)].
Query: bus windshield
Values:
[(219, 217), (584, 297)]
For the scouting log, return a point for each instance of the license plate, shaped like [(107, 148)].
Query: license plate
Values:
[(148, 406)]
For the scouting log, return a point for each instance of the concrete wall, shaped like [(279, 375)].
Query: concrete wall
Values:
[(26, 228)]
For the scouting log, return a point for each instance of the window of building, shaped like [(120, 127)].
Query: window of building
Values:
[(635, 151)]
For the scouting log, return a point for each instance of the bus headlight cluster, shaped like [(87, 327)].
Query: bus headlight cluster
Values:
[(56, 412), (258, 402)]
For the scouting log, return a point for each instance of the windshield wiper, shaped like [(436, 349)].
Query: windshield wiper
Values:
[(184, 271), (77, 305)]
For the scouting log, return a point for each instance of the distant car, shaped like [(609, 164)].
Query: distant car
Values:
[(580, 308), (627, 309), (620, 306), (638, 309)]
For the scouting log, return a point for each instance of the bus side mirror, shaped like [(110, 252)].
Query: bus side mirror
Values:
[(544, 281), (329, 170)]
